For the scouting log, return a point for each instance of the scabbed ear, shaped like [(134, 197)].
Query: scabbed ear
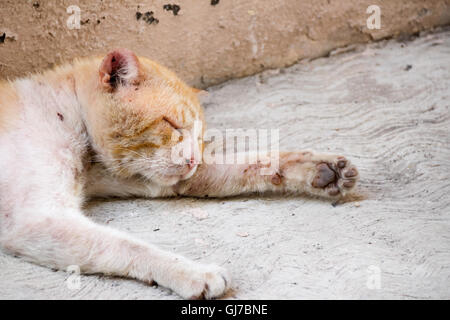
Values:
[(119, 67)]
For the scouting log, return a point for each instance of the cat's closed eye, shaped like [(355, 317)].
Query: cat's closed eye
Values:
[(172, 123), (177, 134)]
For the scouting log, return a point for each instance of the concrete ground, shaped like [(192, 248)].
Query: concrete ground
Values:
[(385, 106)]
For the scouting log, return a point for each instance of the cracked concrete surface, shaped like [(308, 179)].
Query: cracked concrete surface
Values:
[(386, 107)]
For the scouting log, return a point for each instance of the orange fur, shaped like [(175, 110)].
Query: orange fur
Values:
[(139, 119)]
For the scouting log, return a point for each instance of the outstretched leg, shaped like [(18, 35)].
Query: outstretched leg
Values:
[(307, 172), (68, 238)]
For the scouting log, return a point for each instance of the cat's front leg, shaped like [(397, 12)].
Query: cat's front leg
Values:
[(325, 175)]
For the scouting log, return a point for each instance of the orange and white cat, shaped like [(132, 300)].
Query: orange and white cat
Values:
[(106, 127)]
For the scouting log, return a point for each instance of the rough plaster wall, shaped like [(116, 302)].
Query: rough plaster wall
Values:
[(204, 43)]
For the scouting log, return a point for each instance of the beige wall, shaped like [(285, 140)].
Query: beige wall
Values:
[(205, 44)]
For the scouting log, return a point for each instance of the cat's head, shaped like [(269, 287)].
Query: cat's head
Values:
[(143, 120)]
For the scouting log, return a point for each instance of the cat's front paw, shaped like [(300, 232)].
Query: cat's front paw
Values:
[(335, 176), (203, 282), (319, 174)]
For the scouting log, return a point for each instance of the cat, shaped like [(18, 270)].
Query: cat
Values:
[(105, 126)]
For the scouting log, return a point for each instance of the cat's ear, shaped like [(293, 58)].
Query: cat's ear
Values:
[(119, 67), (199, 92)]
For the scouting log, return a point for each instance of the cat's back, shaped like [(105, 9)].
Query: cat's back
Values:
[(40, 118), (19, 99), (43, 103)]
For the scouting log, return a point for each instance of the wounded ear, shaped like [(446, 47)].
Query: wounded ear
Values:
[(119, 67)]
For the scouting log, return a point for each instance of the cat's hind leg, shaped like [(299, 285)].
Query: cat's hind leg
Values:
[(68, 238)]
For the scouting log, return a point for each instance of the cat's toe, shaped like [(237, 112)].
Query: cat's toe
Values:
[(348, 175)]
